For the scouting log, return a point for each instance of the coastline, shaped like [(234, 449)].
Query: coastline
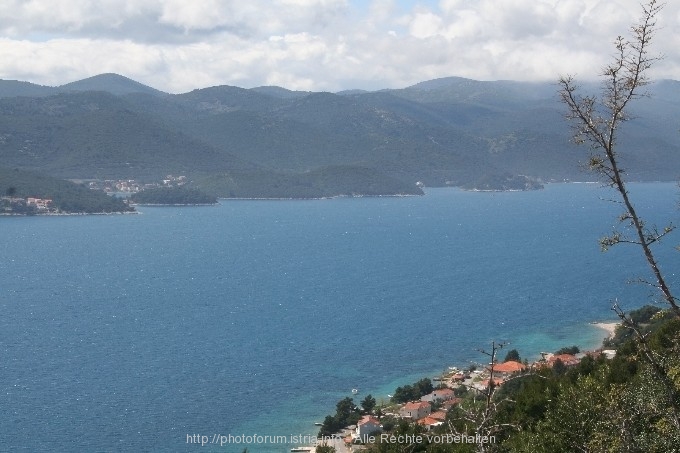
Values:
[(62, 214), (330, 197), (606, 329), (161, 205), (609, 327)]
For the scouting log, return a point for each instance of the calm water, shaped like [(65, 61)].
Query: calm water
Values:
[(127, 333)]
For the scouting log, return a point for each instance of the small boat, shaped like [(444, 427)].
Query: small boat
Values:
[(355, 391), (301, 449), (318, 424)]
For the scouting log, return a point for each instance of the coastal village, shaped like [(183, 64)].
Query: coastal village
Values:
[(430, 410), (131, 185), (11, 203)]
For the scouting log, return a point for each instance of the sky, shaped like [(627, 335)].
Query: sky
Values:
[(320, 45)]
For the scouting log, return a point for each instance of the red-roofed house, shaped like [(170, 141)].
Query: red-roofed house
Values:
[(458, 377), (485, 383), (40, 203), (566, 359), (447, 405), (367, 426), (439, 415), (415, 410), (430, 422), (508, 368), (438, 395)]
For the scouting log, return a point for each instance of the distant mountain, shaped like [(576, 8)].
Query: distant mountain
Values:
[(458, 89), (110, 83), (280, 92), (13, 88), (98, 135), (273, 142), (224, 98)]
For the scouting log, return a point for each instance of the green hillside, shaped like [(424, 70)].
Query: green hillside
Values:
[(269, 141), (96, 134), (67, 197), (330, 181)]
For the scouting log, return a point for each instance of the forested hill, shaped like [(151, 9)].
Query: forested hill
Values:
[(273, 142), (17, 186)]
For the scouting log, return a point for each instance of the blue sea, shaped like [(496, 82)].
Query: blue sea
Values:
[(139, 332)]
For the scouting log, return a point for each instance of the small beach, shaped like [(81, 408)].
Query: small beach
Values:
[(609, 327)]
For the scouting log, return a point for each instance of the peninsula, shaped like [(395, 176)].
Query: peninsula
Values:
[(30, 193)]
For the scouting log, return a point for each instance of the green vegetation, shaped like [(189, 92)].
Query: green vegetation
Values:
[(602, 405), (644, 319), (568, 350), (324, 182), (346, 413), (503, 182), (599, 405), (412, 392), (368, 404), (172, 196), (513, 355), (67, 197)]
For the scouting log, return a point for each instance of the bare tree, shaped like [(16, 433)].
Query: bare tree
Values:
[(481, 420), (596, 121)]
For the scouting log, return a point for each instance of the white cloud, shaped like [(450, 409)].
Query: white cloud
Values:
[(425, 25), (203, 15), (177, 45)]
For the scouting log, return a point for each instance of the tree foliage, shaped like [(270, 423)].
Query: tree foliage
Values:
[(513, 355), (368, 404), (346, 413), (172, 196), (568, 350), (412, 392)]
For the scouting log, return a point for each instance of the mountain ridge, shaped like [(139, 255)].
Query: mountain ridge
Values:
[(448, 131)]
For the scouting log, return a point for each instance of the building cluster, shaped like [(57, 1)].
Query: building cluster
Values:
[(430, 411), (41, 204), (134, 186), (9, 205)]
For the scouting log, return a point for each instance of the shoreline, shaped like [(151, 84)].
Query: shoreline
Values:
[(170, 205), (62, 214), (330, 197), (609, 327)]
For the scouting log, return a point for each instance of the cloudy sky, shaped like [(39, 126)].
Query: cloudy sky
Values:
[(331, 45)]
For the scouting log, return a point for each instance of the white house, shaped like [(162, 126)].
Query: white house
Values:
[(439, 395)]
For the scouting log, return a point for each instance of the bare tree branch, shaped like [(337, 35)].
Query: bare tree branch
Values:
[(624, 79)]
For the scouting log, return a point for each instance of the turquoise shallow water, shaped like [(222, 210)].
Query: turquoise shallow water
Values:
[(128, 333)]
